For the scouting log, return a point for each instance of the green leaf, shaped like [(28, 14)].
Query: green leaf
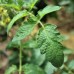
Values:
[(29, 4), (68, 51), (24, 30), (17, 7), (29, 44), (65, 58), (71, 64), (16, 4), (20, 2), (38, 58), (32, 69), (64, 72), (15, 18), (48, 42), (54, 54), (13, 45), (46, 35), (11, 70), (48, 9), (6, 1), (49, 68)]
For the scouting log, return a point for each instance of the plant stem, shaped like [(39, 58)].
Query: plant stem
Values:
[(20, 59), (69, 71), (41, 24)]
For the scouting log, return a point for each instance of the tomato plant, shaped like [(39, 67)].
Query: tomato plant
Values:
[(46, 41)]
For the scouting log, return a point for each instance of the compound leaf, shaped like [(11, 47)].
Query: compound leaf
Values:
[(49, 42)]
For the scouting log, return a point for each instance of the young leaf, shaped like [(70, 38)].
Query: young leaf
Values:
[(15, 18), (11, 69), (48, 43), (48, 9), (32, 69), (24, 30)]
